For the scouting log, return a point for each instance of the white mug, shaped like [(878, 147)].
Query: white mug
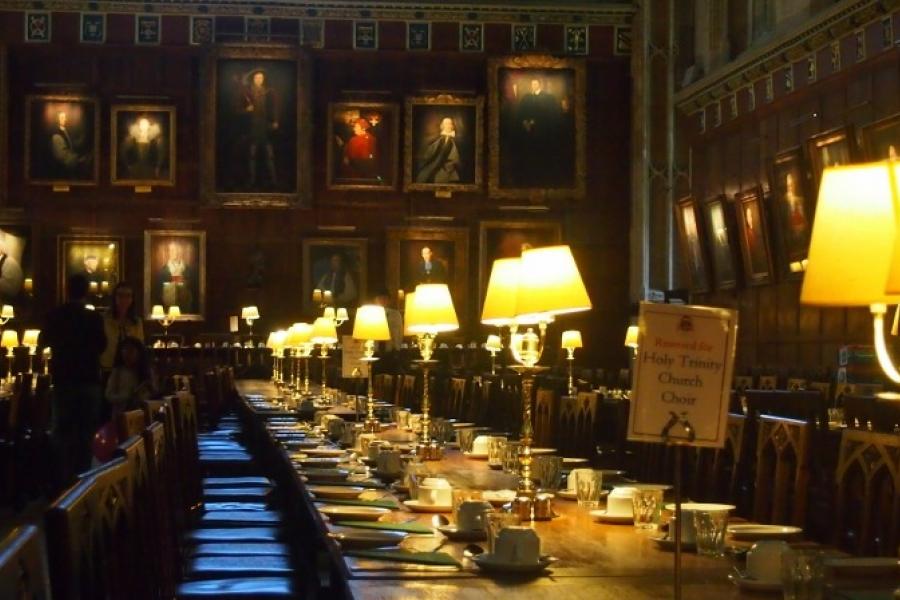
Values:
[(518, 544), (470, 515), (375, 447), (764, 560), (435, 491)]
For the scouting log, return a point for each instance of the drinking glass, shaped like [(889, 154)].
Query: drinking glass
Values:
[(587, 487), (415, 473), (466, 436), (495, 451), (548, 472), (835, 417), (511, 457), (647, 507), (496, 521), (710, 526), (802, 574)]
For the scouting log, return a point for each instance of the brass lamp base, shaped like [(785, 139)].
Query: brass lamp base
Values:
[(371, 426), (429, 450)]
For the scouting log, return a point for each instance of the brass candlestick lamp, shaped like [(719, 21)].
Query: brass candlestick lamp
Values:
[(299, 343), (571, 341), (493, 345), (371, 326), (250, 314), (324, 334), (30, 340), (166, 319), (429, 311), (275, 343), (10, 341), (547, 283)]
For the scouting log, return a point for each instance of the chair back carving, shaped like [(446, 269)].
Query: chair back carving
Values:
[(163, 504), (545, 411), (742, 382), (782, 470), (130, 423), (716, 470), (867, 507), (795, 384), (768, 382), (187, 452), (577, 424), (458, 386), (134, 451), (406, 392), (23, 566)]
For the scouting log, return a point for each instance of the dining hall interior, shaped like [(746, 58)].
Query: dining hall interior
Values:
[(365, 300)]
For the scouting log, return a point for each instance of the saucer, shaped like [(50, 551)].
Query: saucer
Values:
[(463, 535), (543, 451), (567, 494), (600, 515), (476, 455), (364, 538), (416, 506), (668, 544), (354, 513), (755, 531), (324, 475), (743, 581), (498, 497), (336, 492), (490, 564)]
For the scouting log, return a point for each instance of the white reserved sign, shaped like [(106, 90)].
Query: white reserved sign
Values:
[(682, 374), (352, 353)]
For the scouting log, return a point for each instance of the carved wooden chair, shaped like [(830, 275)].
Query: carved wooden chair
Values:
[(546, 405), (577, 424), (23, 566), (795, 384), (186, 450), (782, 470), (716, 470), (9, 439), (406, 392), (768, 382), (163, 503), (742, 382), (823, 387), (457, 397), (130, 423), (867, 506), (147, 551)]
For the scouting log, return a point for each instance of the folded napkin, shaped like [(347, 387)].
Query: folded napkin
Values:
[(366, 483), (412, 527), (441, 559), (376, 503)]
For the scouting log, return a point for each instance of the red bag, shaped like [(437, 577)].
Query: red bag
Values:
[(105, 442)]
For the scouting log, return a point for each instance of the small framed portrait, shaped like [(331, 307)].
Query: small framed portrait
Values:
[(443, 144), (721, 242), (537, 127), (691, 244), (142, 145), (97, 257), (830, 149), (16, 261), (337, 266), (754, 237), (881, 139), (363, 150), (257, 125), (429, 255), (792, 203), (507, 239), (175, 271), (62, 136)]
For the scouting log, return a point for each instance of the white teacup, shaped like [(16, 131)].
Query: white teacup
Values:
[(363, 440), (481, 445), (470, 515), (375, 448), (518, 544), (389, 463), (435, 491), (620, 502), (764, 560)]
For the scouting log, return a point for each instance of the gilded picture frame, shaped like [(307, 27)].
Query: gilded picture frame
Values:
[(336, 264), (718, 224), (142, 145), (175, 271), (507, 239), (537, 103), (256, 127), (447, 250), (753, 236), (62, 140), (828, 149), (363, 145), (793, 205), (442, 145), (690, 238), (100, 258), (18, 257), (880, 140), (4, 124)]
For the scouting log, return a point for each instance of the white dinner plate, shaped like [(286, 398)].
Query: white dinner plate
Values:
[(336, 492), (416, 506), (600, 515), (668, 544), (324, 475), (498, 497), (351, 513), (567, 494), (476, 455), (543, 451), (757, 531), (350, 538), (490, 564), (326, 452), (463, 535)]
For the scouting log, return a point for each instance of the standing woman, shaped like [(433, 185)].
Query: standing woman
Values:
[(119, 322)]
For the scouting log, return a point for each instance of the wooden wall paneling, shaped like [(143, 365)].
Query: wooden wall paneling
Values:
[(788, 295), (886, 90), (809, 356), (732, 167), (768, 313)]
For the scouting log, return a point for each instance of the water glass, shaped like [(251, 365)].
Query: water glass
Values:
[(466, 437), (647, 507), (495, 451), (497, 521), (710, 526), (835, 417), (547, 470), (588, 484), (803, 574), (511, 457)]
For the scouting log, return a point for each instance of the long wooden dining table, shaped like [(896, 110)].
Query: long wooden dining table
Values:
[(595, 561)]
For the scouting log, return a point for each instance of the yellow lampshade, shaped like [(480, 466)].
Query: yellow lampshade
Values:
[(853, 237), (500, 300), (631, 336), (493, 343), (297, 335), (328, 313), (10, 339), (549, 284), (174, 312), (250, 312), (30, 337), (324, 331), (410, 300), (158, 312), (7, 312), (371, 323), (342, 314), (270, 340), (571, 339), (431, 310)]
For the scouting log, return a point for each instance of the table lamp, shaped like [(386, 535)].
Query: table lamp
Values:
[(499, 305), (299, 341), (429, 311), (853, 259), (631, 339), (549, 284), (250, 314), (30, 340), (157, 313), (10, 341), (493, 345), (7, 313), (324, 334), (275, 343), (571, 341), (371, 326)]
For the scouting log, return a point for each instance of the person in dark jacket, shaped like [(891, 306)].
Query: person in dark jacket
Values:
[(76, 339)]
